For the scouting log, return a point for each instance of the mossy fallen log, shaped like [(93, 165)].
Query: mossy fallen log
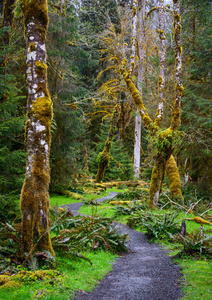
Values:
[(120, 202), (200, 220)]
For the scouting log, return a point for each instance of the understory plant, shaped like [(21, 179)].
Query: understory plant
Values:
[(157, 226), (12, 254), (194, 244), (86, 233), (70, 236)]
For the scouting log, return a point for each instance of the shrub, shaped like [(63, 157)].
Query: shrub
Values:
[(156, 226), (192, 244)]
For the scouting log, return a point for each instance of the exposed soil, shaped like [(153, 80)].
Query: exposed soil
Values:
[(145, 273)]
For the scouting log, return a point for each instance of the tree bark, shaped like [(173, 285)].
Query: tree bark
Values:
[(156, 180), (174, 179), (137, 134), (137, 146), (35, 195), (104, 155), (162, 54), (167, 136)]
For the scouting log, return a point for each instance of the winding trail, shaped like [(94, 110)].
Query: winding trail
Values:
[(145, 273)]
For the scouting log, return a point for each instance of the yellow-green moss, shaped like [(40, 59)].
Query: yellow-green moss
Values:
[(42, 109), (160, 80), (7, 282), (36, 9), (71, 194), (32, 46), (120, 202), (174, 179), (134, 10), (177, 17), (165, 141), (138, 101), (40, 65), (14, 281), (200, 221), (156, 180), (39, 275), (180, 89), (42, 86), (104, 155)]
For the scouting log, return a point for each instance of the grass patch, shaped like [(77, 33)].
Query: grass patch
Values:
[(75, 275), (197, 279), (57, 200)]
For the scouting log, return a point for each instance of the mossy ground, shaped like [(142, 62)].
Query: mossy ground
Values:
[(74, 275)]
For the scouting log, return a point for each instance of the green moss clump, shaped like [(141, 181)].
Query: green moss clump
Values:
[(32, 46), (7, 282), (180, 89), (39, 275), (177, 17), (160, 80), (41, 65), (43, 111)]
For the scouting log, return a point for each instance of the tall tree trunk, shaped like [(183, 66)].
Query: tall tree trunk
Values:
[(162, 54), (137, 146), (176, 114), (104, 155), (35, 195), (140, 37), (159, 167)]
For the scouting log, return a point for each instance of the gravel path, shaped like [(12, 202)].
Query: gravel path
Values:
[(145, 273)]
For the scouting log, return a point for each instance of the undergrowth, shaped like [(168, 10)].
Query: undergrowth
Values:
[(85, 246)]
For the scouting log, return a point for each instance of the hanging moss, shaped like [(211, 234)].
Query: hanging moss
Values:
[(137, 99)]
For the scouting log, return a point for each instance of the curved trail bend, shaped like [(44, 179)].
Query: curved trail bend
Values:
[(145, 273)]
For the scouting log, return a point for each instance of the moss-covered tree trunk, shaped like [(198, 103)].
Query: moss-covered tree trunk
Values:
[(104, 155), (174, 179), (35, 195), (167, 150), (166, 137), (161, 157), (162, 55), (140, 6)]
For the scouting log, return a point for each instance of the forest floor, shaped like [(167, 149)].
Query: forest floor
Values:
[(144, 273)]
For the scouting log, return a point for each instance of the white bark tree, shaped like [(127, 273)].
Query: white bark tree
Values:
[(140, 12), (35, 195)]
